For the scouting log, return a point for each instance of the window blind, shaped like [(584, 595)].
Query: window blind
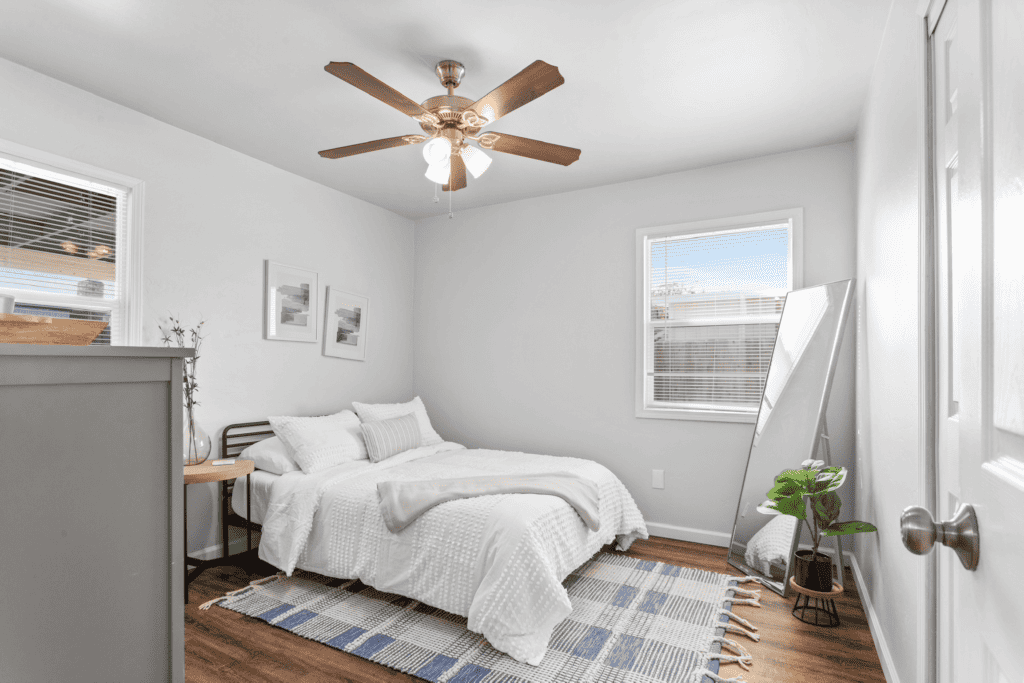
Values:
[(714, 306), (59, 242)]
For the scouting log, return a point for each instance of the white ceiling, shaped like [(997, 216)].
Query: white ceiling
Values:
[(651, 86)]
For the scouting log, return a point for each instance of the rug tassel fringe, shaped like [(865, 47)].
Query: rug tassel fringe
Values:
[(733, 628), (732, 645), (698, 676), (746, 601), (252, 584), (744, 579), (743, 660), (738, 618), (210, 603), (745, 593)]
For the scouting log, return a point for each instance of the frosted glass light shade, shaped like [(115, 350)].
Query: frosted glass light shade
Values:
[(437, 150), (439, 173), (476, 161)]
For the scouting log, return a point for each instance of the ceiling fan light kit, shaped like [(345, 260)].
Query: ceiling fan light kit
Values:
[(451, 122)]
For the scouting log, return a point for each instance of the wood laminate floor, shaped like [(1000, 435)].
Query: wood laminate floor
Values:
[(221, 645)]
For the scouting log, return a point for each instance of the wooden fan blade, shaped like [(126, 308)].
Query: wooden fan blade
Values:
[(352, 74), (526, 86), (458, 176), (526, 147), (339, 152)]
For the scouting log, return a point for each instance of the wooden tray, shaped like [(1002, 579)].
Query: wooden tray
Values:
[(37, 329)]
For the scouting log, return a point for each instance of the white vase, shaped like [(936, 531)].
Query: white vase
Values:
[(196, 442)]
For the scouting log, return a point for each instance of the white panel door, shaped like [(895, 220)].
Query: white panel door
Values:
[(980, 230)]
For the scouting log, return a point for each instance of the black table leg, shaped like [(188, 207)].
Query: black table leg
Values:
[(224, 516), (248, 514), (184, 505)]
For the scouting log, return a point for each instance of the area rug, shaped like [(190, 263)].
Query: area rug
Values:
[(633, 621)]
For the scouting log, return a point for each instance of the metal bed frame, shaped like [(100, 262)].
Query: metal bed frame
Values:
[(233, 440)]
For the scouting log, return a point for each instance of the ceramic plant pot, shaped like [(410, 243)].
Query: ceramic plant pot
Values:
[(816, 575)]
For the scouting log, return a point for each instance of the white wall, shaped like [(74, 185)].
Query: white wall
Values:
[(889, 153), (211, 216), (524, 319)]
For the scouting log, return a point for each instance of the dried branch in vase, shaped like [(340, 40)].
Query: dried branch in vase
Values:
[(195, 335)]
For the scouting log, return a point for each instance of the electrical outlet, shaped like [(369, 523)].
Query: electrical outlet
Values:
[(658, 479)]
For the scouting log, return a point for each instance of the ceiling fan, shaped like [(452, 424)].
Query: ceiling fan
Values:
[(450, 121)]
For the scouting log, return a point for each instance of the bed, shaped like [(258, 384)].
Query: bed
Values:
[(498, 560)]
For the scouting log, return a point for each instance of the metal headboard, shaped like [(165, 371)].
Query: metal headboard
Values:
[(237, 437), (233, 440)]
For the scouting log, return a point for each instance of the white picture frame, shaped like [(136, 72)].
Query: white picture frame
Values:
[(345, 324), (290, 309)]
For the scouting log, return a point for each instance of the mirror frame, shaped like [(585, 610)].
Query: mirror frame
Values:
[(767, 581)]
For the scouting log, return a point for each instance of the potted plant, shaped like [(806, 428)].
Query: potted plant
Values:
[(813, 486)]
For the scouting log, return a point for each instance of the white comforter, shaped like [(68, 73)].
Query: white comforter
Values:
[(497, 560)]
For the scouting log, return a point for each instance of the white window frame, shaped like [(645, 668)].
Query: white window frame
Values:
[(128, 267), (644, 236)]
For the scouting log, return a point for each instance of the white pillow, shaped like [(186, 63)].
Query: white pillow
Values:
[(317, 443), (375, 412), (270, 455)]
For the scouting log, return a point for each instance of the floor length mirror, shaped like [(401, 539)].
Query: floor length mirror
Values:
[(789, 423)]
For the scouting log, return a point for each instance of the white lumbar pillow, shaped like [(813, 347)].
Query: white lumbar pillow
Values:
[(270, 455), (375, 412), (318, 443)]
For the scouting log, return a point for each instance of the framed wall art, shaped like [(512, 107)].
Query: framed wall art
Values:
[(345, 325), (289, 303)]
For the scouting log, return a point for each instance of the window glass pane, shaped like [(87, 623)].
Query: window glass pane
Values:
[(716, 299), (59, 241), (715, 275), (55, 237), (714, 365)]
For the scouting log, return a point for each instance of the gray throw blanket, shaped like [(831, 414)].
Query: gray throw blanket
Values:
[(402, 502)]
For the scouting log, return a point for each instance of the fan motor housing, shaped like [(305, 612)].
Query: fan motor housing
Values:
[(448, 108)]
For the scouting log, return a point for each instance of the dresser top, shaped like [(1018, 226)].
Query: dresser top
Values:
[(94, 351)]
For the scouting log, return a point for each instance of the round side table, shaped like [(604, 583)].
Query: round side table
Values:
[(820, 605)]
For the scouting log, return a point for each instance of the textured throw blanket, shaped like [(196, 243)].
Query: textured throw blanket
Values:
[(402, 502)]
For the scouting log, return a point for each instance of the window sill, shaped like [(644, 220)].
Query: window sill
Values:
[(698, 415)]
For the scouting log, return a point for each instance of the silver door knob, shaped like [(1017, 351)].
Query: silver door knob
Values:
[(920, 532)]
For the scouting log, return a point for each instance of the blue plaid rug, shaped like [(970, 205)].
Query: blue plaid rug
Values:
[(633, 621)]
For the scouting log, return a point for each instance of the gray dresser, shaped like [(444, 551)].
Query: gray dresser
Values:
[(91, 535)]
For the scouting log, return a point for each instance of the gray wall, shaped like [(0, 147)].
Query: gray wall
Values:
[(212, 215), (524, 324), (889, 153)]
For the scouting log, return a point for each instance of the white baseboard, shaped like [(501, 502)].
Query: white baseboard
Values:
[(235, 545), (881, 646), (682, 533)]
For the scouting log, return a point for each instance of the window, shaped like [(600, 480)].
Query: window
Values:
[(709, 302), (65, 243)]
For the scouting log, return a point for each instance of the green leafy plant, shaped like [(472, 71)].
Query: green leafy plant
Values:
[(813, 486)]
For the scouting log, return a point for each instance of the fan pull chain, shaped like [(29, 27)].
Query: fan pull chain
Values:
[(436, 199), (451, 191)]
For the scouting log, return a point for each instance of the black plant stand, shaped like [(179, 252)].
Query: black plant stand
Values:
[(818, 608)]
